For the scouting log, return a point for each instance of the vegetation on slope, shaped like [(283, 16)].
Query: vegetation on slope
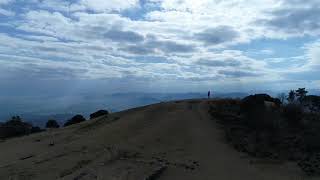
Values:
[(17, 127), (264, 127)]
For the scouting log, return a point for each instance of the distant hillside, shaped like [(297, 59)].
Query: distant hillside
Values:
[(39, 109), (314, 92)]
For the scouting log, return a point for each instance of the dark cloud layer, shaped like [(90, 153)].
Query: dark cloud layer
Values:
[(33, 71), (138, 49), (218, 35), (237, 74), (219, 63), (297, 16), (151, 45), (169, 46), (123, 36)]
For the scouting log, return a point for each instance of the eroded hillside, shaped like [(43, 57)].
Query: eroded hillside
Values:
[(175, 140)]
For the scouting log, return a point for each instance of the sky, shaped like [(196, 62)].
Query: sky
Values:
[(67, 46)]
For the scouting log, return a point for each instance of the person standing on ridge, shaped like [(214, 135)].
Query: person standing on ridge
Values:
[(209, 94)]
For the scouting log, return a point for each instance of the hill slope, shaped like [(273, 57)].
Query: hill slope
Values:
[(175, 140)]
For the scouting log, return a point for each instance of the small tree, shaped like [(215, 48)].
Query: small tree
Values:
[(52, 124), (15, 118), (76, 119), (14, 127), (301, 93), (291, 97)]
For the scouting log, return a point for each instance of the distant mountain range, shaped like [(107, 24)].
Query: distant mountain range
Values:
[(314, 92), (39, 109)]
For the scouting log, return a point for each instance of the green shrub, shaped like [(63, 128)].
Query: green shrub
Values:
[(14, 127), (99, 114), (259, 117), (75, 120)]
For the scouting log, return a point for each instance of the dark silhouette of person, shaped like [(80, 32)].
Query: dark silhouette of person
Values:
[(209, 94)]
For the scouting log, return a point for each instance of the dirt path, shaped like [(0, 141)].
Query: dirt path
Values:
[(176, 140)]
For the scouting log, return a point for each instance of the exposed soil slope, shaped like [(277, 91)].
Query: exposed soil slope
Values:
[(175, 140)]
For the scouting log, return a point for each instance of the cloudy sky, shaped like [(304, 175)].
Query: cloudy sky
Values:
[(159, 45)]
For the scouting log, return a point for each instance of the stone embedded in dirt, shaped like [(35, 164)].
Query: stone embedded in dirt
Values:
[(27, 157)]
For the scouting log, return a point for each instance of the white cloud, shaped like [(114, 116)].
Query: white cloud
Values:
[(313, 54), (3, 11), (5, 2), (293, 18), (191, 40), (267, 52), (53, 24), (6, 12), (109, 5)]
